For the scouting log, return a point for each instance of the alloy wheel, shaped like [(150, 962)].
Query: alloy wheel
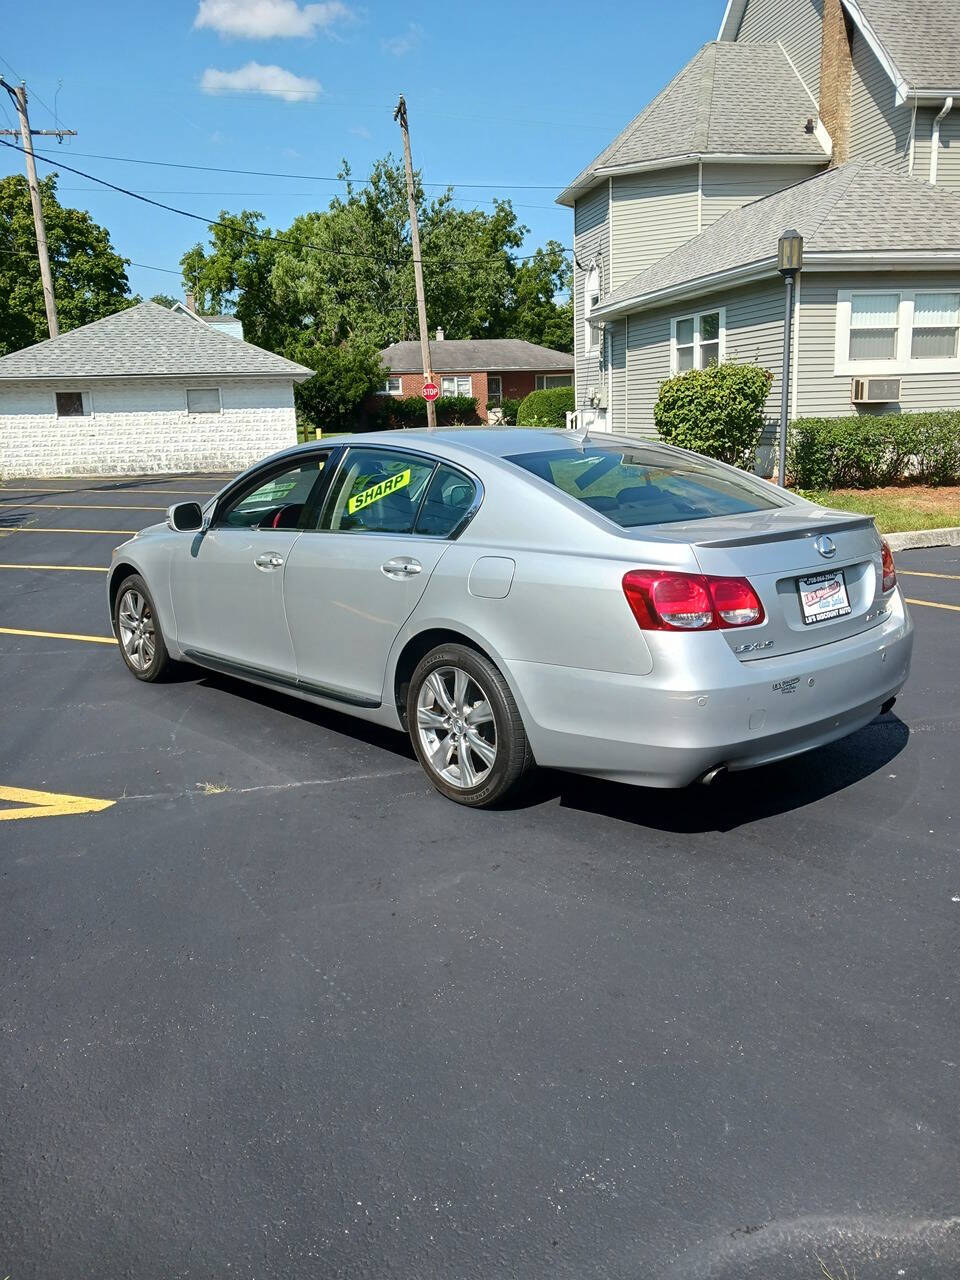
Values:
[(136, 625), (456, 727)]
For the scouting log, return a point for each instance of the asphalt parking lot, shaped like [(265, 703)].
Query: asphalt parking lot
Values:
[(280, 1010)]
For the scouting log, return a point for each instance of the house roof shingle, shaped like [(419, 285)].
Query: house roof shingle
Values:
[(147, 341), (921, 37), (859, 207), (730, 99), (477, 355)]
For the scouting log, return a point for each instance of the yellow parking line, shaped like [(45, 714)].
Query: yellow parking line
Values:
[(934, 604), (32, 528), (82, 506), (57, 635), (917, 573), (63, 568)]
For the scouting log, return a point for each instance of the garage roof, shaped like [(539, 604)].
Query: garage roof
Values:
[(477, 355), (147, 341)]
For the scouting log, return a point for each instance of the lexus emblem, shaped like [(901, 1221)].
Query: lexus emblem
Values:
[(826, 546)]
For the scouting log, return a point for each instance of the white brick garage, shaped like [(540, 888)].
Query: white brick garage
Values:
[(223, 404)]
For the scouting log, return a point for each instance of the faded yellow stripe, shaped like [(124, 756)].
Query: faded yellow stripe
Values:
[(63, 568), (57, 635), (32, 528), (82, 506), (934, 604), (918, 573)]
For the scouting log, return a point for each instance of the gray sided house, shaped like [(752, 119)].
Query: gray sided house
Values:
[(833, 117)]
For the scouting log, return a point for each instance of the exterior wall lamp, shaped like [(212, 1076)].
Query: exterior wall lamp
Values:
[(789, 264)]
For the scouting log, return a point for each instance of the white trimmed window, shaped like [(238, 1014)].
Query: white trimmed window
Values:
[(547, 381), (591, 299), (884, 331), (203, 400), (698, 341), (390, 387), (456, 384)]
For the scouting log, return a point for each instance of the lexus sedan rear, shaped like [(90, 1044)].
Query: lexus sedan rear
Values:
[(598, 604)]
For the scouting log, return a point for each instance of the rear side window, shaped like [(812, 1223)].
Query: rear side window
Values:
[(634, 486), (448, 502), (377, 491)]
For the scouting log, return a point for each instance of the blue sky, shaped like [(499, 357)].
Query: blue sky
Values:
[(519, 96)]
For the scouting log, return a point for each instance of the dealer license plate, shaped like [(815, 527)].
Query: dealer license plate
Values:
[(823, 596)]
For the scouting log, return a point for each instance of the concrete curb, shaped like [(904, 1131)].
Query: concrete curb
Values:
[(949, 537)]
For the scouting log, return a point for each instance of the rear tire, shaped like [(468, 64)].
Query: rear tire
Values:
[(138, 633), (466, 728)]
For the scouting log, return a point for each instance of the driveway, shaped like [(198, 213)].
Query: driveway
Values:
[(282, 1011)]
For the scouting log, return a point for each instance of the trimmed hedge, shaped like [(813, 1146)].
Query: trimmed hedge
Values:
[(868, 452), (411, 411), (546, 408), (716, 411)]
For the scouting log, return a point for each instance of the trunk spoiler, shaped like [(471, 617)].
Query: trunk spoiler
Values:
[(836, 525)]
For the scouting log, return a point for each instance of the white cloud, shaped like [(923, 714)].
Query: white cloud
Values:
[(404, 43), (262, 19), (254, 78)]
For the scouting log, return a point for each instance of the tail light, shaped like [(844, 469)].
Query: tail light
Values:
[(889, 568), (665, 601)]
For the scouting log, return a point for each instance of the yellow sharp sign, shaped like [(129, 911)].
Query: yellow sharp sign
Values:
[(47, 804), (378, 491)]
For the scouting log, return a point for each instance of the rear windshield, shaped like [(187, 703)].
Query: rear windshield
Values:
[(633, 486)]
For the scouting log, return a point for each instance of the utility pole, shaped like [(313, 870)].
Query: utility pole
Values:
[(19, 96), (401, 115)]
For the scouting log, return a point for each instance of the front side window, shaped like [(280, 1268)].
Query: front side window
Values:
[(874, 321), (390, 387), (697, 340), (70, 404), (635, 486), (276, 500), (203, 400), (377, 491), (547, 381), (460, 384), (936, 320)]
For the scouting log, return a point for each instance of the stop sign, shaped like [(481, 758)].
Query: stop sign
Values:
[(431, 391)]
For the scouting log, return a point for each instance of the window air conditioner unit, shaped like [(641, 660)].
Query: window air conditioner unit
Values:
[(875, 390)]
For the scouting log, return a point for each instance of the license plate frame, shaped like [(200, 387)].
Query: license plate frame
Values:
[(820, 604)]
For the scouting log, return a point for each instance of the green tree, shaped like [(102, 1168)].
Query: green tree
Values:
[(89, 277), (345, 375), (163, 299)]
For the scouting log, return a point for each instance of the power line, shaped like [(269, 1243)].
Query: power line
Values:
[(262, 235), (32, 257), (311, 177), (283, 195)]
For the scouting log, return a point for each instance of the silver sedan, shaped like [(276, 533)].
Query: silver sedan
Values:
[(598, 604)]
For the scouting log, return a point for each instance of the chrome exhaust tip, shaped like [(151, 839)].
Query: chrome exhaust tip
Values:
[(887, 706), (711, 776)]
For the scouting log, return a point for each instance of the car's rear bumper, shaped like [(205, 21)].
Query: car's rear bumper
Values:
[(632, 729)]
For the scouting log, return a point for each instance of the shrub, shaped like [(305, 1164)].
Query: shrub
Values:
[(716, 411), (411, 411), (867, 452), (510, 409), (546, 408)]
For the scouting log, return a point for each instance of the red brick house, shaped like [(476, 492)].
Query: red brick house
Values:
[(489, 369)]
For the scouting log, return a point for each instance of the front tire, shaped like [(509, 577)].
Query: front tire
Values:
[(138, 633), (465, 727)]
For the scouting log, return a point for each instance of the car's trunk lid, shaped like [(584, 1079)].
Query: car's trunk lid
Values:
[(775, 550)]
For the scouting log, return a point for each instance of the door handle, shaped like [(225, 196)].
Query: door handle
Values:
[(401, 567), (269, 560)]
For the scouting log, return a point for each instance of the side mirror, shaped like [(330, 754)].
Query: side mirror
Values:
[(185, 517)]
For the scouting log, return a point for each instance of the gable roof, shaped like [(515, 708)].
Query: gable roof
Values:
[(922, 38), (918, 38), (858, 210), (477, 355), (743, 100), (147, 341)]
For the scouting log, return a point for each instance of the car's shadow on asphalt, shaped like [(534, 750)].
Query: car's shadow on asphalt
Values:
[(737, 798)]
